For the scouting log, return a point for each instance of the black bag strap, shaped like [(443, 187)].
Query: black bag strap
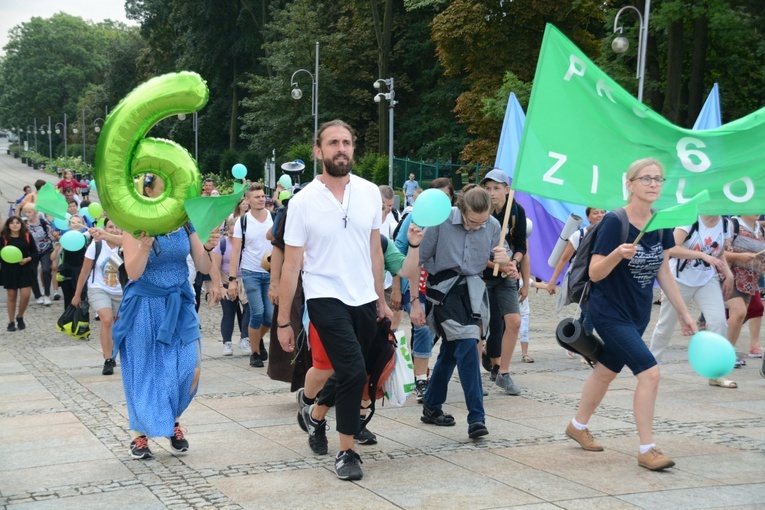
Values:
[(95, 260)]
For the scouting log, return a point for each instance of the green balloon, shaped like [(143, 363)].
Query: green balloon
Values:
[(95, 210), (11, 254)]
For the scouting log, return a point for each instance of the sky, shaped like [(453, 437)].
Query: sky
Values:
[(15, 12)]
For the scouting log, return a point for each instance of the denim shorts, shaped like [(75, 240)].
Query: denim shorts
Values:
[(623, 345)]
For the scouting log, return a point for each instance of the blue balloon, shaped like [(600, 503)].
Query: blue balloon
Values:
[(239, 171), (431, 208), (61, 224), (711, 355), (72, 240), (93, 184)]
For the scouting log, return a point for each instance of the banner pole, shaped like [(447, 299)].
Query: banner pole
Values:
[(508, 206)]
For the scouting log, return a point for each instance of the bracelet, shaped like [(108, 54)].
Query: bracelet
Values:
[(208, 251), (282, 326), (416, 298), (412, 245)]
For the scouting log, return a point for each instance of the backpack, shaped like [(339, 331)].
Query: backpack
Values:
[(380, 360), (681, 263), (579, 272), (398, 227)]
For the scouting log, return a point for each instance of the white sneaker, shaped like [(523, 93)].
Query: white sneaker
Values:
[(46, 301), (244, 346), (40, 300), (227, 349)]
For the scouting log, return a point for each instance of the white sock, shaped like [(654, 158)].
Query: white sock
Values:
[(577, 425), (645, 448), (421, 377)]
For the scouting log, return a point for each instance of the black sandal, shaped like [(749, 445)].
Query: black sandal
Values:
[(436, 417)]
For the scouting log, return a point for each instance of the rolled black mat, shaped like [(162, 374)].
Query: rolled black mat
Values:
[(573, 337)]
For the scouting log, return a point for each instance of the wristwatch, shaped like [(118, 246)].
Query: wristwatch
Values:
[(232, 278)]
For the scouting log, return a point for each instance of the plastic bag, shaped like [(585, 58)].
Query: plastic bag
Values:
[(400, 384), (75, 321)]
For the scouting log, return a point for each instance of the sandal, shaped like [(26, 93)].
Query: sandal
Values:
[(436, 417), (527, 359), (723, 383)]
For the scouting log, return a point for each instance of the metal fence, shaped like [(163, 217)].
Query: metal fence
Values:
[(424, 172)]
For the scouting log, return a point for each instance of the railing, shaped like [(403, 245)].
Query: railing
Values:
[(424, 172)]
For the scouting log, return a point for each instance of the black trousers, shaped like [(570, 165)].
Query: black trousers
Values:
[(345, 332)]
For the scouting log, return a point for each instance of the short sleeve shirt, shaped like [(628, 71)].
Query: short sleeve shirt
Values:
[(105, 276), (256, 246), (625, 295), (709, 240)]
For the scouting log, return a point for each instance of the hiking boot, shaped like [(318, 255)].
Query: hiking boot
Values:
[(227, 349), (244, 346), (109, 365), (177, 441), (317, 432), (347, 465), (477, 429), (654, 460), (255, 360), (505, 382), (584, 438), (300, 405), (139, 448), (495, 372), (20, 323), (364, 436), (11, 326), (420, 388)]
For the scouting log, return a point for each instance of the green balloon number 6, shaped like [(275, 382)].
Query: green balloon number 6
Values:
[(123, 152)]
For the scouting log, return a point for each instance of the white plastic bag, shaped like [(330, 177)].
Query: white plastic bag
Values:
[(400, 384)]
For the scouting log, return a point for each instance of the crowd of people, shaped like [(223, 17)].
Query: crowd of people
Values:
[(320, 269)]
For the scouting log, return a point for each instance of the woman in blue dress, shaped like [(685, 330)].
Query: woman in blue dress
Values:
[(157, 334)]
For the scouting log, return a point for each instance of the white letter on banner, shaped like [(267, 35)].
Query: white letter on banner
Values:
[(573, 69), (548, 175), (747, 196), (685, 155), (594, 187), (625, 191), (601, 87), (679, 193)]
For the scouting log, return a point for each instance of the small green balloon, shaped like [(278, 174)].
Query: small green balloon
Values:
[(95, 210), (11, 254)]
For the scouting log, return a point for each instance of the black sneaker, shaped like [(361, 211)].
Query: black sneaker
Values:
[(364, 436), (109, 365), (20, 323), (420, 388), (317, 432), (57, 297), (494, 372), (177, 441), (139, 448), (263, 351), (300, 405), (477, 429), (347, 465), (11, 326), (255, 360)]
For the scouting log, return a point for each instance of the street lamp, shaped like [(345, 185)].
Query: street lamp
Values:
[(297, 94), (195, 127), (58, 132), (97, 126), (50, 138), (31, 129), (390, 97), (621, 44)]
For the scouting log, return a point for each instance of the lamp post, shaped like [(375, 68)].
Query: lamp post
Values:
[(390, 97), (58, 132), (297, 94), (195, 127), (30, 129), (50, 138), (620, 44)]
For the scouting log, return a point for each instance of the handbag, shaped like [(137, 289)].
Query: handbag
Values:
[(75, 321), (400, 384)]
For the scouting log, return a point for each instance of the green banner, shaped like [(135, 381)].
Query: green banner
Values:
[(583, 131)]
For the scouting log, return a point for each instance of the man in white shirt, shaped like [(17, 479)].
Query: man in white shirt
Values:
[(252, 227), (333, 232)]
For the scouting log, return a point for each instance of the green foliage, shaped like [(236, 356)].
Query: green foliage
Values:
[(372, 167), (495, 107), (301, 151)]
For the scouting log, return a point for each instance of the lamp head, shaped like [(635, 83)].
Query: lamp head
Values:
[(379, 97), (377, 85), (181, 116), (97, 129), (620, 44), (58, 131), (296, 93)]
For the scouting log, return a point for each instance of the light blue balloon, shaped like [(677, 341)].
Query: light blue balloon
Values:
[(93, 184), (286, 181), (239, 171), (61, 224), (72, 240), (711, 355), (431, 208)]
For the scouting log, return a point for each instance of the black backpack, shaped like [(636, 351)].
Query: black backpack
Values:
[(380, 359), (579, 273)]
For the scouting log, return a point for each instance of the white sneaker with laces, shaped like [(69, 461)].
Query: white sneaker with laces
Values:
[(244, 346), (40, 300), (46, 301), (227, 349)]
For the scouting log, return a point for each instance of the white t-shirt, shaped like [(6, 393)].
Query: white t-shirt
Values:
[(695, 272), (256, 246), (105, 276), (576, 238), (336, 238), (388, 225), (523, 306)]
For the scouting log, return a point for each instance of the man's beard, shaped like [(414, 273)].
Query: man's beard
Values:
[(338, 169)]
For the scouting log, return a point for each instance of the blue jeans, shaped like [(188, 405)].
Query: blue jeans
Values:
[(256, 286), (422, 336), (464, 355)]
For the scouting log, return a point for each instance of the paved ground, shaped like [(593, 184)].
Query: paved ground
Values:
[(64, 435)]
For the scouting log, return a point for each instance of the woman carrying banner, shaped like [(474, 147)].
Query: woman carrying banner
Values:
[(620, 308)]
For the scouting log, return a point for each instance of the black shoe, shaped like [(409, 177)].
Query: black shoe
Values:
[(20, 323), (263, 351), (255, 360), (477, 429), (177, 441), (139, 448), (57, 297), (420, 388), (317, 432), (494, 372), (109, 365), (11, 326), (347, 465), (364, 436)]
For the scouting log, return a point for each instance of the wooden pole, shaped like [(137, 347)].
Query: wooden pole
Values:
[(508, 207)]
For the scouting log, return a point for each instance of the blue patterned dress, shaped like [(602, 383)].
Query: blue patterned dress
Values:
[(157, 336)]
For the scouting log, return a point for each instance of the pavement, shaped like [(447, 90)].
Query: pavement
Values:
[(64, 434)]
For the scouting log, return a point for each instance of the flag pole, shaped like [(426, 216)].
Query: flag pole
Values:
[(505, 221), (642, 232)]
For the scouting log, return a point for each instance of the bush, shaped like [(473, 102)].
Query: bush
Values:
[(372, 167)]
